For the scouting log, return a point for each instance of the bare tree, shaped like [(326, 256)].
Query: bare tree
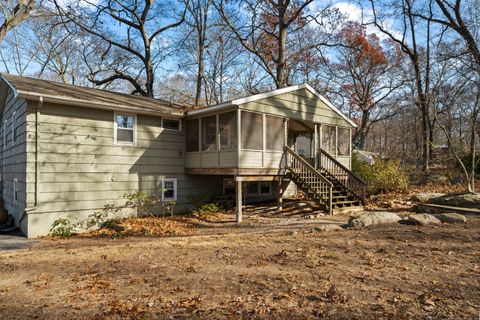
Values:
[(408, 41), (138, 25), (13, 13), (264, 27)]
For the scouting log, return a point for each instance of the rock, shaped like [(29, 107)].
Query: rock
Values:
[(293, 233), (425, 196), (451, 217), (465, 200), (372, 218), (423, 219), (328, 227)]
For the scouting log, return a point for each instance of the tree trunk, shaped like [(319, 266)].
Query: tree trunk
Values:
[(282, 40)]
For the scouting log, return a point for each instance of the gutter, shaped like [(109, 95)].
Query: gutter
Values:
[(96, 105)]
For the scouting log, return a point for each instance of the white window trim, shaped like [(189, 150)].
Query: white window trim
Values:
[(179, 124), (14, 124), (124, 143), (174, 189), (15, 190)]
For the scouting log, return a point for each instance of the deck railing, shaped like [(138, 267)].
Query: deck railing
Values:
[(351, 181), (307, 175)]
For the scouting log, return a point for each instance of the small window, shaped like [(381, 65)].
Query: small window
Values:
[(14, 128), (251, 188), (15, 190), (228, 186), (265, 188), (171, 124), (125, 129), (169, 189)]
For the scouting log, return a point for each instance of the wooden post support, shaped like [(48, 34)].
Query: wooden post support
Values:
[(239, 201), (280, 192)]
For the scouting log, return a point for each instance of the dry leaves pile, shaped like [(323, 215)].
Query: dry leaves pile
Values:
[(148, 226)]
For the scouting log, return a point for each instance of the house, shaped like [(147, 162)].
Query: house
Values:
[(69, 151)]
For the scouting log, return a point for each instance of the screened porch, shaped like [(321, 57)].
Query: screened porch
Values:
[(241, 142)]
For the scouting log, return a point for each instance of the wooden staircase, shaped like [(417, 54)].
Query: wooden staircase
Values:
[(332, 186)]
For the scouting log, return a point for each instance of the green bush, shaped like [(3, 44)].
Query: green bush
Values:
[(211, 208), (383, 176), (62, 228)]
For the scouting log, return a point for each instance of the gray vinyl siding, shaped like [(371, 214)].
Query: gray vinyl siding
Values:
[(300, 104), (14, 157), (81, 169)]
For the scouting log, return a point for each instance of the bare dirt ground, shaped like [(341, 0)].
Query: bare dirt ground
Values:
[(271, 267)]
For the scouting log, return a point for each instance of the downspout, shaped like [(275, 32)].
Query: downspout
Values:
[(35, 203)]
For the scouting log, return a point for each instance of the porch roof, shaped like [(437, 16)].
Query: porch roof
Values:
[(256, 97)]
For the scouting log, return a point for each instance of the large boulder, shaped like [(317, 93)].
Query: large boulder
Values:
[(451, 217), (426, 196), (423, 219), (372, 218), (465, 200)]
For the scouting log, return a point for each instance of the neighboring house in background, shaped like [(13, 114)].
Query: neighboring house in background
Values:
[(69, 151)]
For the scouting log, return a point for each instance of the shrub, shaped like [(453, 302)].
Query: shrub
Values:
[(211, 208), (62, 228), (383, 176), (199, 200)]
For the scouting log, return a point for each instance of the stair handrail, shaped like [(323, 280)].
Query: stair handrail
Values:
[(311, 170), (357, 186), (308, 165)]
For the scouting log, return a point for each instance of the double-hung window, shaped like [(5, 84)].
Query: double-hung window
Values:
[(169, 189), (125, 129)]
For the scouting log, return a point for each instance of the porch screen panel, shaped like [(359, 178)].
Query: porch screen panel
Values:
[(209, 133), (228, 130), (275, 133), (192, 135), (252, 131), (343, 144), (329, 142)]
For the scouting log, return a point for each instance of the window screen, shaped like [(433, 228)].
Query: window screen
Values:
[(275, 133), (343, 142), (209, 133), (228, 130), (125, 128), (171, 124), (329, 140), (304, 145), (252, 131), (192, 135)]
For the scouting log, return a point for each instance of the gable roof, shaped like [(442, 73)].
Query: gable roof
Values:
[(268, 94), (49, 91)]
